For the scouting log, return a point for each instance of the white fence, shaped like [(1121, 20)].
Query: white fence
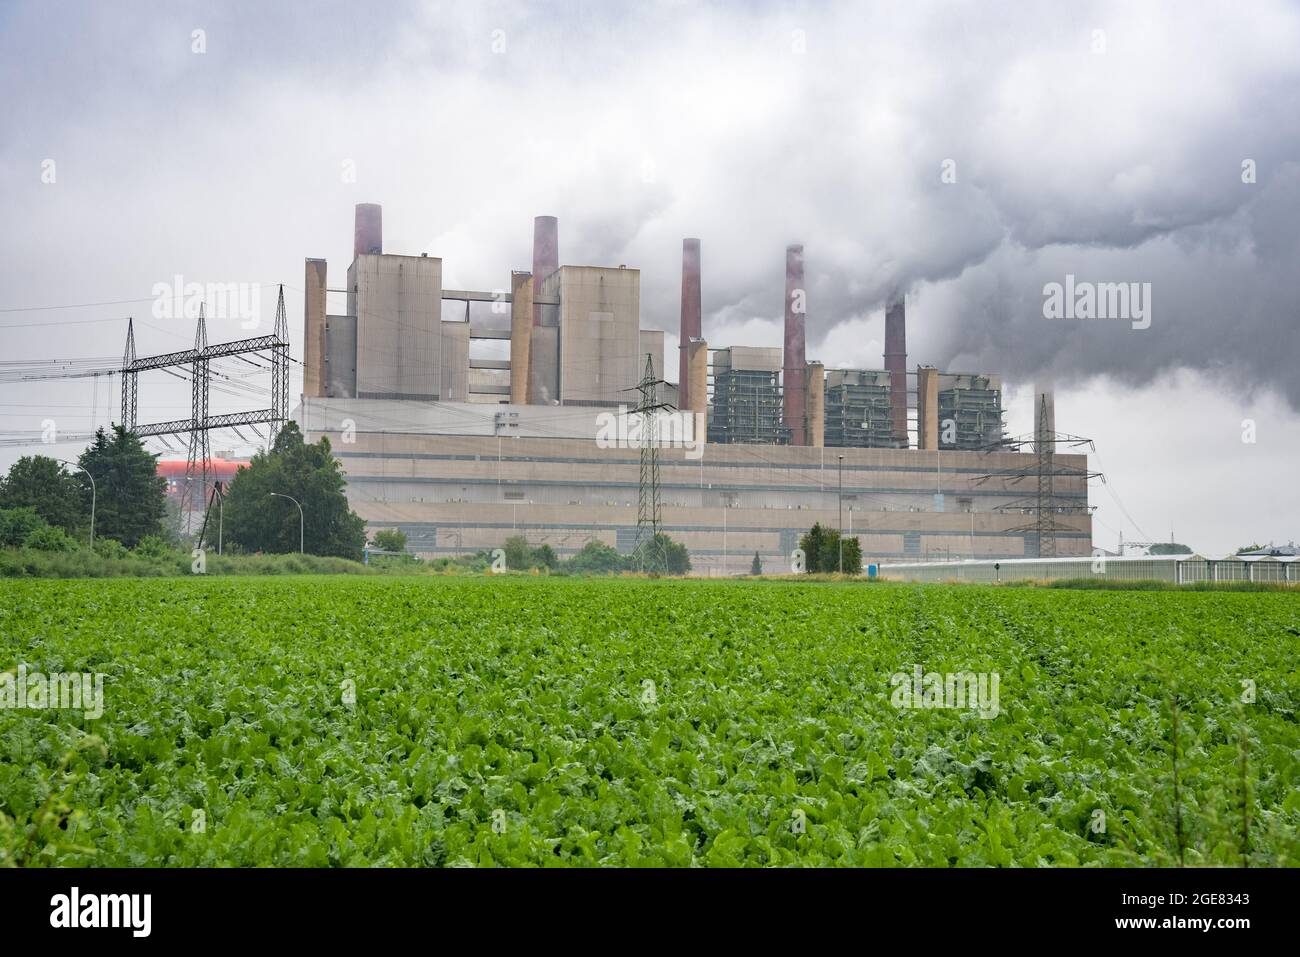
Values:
[(1179, 569)]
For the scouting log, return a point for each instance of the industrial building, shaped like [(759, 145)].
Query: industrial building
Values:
[(462, 452)]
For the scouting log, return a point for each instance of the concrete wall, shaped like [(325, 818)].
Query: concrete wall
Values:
[(544, 361), (457, 479), (697, 369), (341, 356), (815, 405), (600, 310), (927, 408), (313, 347), (398, 304), (747, 359), (455, 361), (521, 336), (651, 341)]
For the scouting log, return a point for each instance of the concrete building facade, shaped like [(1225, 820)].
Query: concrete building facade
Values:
[(461, 477)]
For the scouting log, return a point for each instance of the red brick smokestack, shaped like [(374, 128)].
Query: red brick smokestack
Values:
[(896, 366), (690, 327), (794, 364), (546, 256), (368, 230)]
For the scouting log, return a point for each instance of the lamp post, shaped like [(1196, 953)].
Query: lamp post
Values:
[(301, 520), (221, 511), (92, 496), (840, 528)]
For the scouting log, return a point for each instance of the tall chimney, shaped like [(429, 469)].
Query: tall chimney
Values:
[(794, 367), (368, 232), (896, 366), (546, 256), (690, 323)]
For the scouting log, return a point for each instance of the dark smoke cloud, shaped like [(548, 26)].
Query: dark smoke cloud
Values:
[(748, 126)]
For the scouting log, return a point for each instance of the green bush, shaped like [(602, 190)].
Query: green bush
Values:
[(111, 548), (152, 546), (17, 523), (49, 539)]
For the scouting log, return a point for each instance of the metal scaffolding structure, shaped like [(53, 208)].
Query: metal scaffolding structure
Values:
[(859, 413), (201, 422), (976, 414), (747, 408)]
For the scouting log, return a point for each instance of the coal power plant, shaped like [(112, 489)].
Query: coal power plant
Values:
[(465, 417)]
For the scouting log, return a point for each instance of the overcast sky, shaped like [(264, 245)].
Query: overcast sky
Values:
[(963, 154)]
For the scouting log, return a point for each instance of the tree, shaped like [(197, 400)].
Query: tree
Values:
[(519, 554), (16, 524), (756, 567), (390, 540), (131, 497), (813, 544), (1243, 550), (677, 560), (43, 484), (258, 522), (596, 558), (821, 547), (852, 557), (1168, 548)]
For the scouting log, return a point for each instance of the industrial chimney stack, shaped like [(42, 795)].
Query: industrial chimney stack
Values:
[(546, 256), (368, 231), (794, 365), (896, 366), (690, 323)]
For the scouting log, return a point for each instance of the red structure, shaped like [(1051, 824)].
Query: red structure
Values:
[(368, 233), (794, 362), (690, 322), (218, 470)]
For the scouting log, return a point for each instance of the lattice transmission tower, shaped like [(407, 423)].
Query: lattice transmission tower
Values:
[(650, 552), (1047, 504), (201, 422)]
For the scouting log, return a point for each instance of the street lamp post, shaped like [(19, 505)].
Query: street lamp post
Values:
[(301, 520), (92, 496), (724, 536), (841, 520), (221, 512)]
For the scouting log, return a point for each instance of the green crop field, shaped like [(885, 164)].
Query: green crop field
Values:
[(515, 720)]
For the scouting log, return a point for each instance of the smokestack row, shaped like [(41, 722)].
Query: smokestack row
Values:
[(896, 366), (794, 361), (546, 256)]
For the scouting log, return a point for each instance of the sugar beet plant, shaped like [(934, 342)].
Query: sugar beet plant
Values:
[(520, 721)]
